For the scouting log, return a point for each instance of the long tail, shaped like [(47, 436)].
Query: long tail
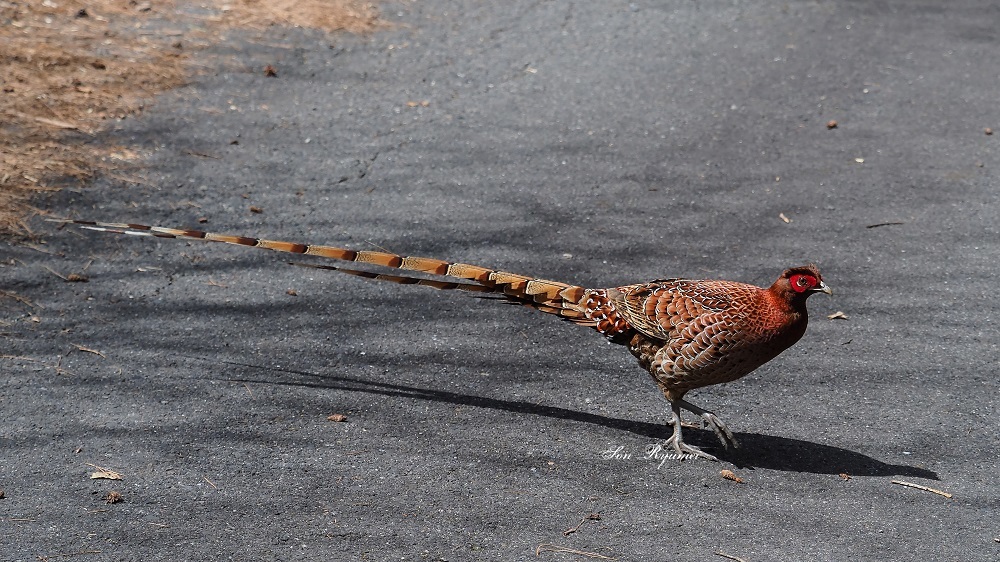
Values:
[(547, 296)]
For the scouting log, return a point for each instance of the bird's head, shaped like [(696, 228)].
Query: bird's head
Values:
[(797, 283)]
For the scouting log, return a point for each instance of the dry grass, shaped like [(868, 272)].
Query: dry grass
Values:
[(68, 68), (331, 15)]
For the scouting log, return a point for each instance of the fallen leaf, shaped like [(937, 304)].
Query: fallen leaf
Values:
[(104, 473), (839, 315), (337, 418), (112, 497), (845, 476), (730, 475)]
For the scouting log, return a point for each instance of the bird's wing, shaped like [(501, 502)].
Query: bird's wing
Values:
[(673, 309)]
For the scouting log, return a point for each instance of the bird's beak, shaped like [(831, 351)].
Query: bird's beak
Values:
[(824, 288)]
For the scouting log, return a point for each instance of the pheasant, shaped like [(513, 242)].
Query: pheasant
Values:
[(686, 333)]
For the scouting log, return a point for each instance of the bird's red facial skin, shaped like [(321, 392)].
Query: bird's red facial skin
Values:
[(802, 282)]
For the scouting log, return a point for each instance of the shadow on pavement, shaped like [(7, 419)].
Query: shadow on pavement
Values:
[(756, 450)]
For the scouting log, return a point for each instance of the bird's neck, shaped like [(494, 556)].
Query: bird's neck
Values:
[(787, 311)]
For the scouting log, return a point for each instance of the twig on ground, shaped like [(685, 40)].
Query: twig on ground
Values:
[(56, 273), (920, 487), (38, 249), (88, 350), (18, 298), (591, 517), (58, 366)]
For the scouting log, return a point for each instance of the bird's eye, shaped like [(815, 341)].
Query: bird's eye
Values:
[(802, 283)]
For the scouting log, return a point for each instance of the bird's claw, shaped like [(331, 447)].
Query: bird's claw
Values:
[(721, 431), (685, 451)]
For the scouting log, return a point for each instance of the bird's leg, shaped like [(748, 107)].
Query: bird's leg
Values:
[(710, 419), (676, 442)]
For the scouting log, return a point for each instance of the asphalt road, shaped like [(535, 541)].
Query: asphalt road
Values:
[(598, 143)]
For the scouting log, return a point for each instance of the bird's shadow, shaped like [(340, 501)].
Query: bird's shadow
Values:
[(755, 451)]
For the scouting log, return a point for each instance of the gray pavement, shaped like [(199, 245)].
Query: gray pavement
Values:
[(598, 143)]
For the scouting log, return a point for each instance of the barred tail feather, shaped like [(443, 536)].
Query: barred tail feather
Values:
[(572, 314), (547, 296)]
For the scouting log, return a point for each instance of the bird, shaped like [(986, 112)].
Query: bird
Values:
[(686, 333)]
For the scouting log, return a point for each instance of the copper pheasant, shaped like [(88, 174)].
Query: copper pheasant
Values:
[(686, 333)]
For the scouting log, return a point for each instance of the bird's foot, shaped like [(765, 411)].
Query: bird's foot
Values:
[(685, 451), (721, 431)]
